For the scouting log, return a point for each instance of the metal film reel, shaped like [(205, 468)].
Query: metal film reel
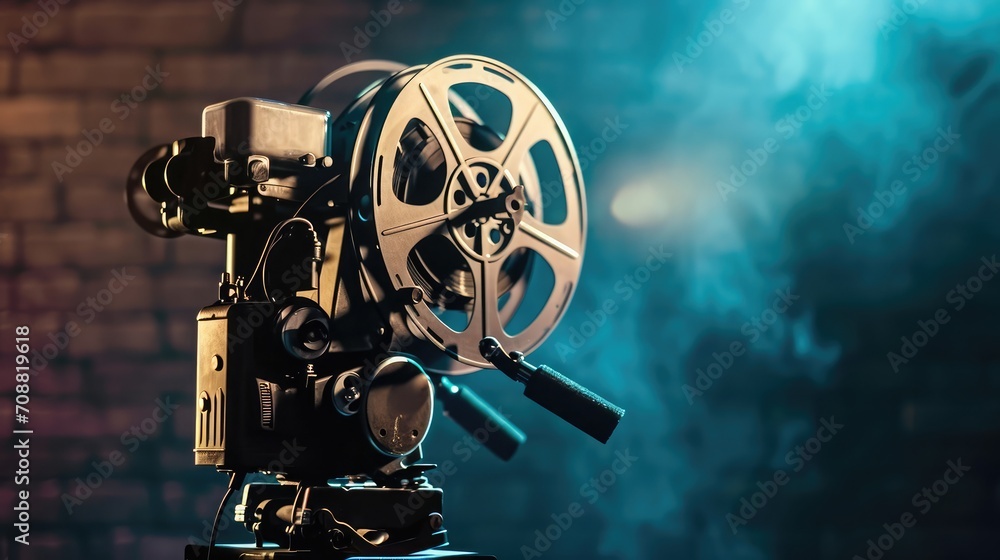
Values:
[(450, 205)]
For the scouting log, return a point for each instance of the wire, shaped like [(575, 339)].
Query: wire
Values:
[(387, 66), (314, 193), (263, 270), (267, 251), (268, 244), (235, 481)]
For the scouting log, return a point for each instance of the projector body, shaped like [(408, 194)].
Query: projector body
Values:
[(371, 259)]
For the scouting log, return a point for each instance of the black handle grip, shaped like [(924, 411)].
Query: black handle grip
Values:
[(483, 422), (573, 403)]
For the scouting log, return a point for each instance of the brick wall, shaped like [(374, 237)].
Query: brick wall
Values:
[(65, 237), (88, 91)]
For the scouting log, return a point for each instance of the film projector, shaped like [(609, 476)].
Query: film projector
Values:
[(372, 258)]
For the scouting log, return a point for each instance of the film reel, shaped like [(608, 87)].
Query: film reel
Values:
[(460, 213), (452, 210)]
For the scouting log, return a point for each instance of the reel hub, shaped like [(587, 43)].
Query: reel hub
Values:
[(462, 225), (453, 202)]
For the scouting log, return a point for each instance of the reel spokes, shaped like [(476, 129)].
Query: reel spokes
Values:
[(483, 191)]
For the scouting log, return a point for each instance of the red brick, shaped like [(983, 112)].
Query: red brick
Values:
[(184, 419), (46, 546), (28, 200), (161, 548), (96, 200), (19, 20), (182, 332), (86, 244), (6, 69), (112, 160), (7, 493), (126, 122), (194, 250), (65, 418), (7, 382), (38, 321), (58, 457), (46, 494), (114, 501), (156, 25), (176, 499), (171, 120), (50, 461), (122, 379), (294, 69), (113, 332), (303, 23), (128, 381), (8, 246), (56, 289), (122, 417), (41, 323), (187, 290), (64, 381), (294, 73), (229, 75), (180, 460), (39, 117), (7, 410), (99, 543), (67, 71), (136, 293), (101, 446), (5, 290), (207, 503), (123, 543), (18, 159)]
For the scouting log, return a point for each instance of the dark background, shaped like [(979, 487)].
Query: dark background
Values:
[(891, 83)]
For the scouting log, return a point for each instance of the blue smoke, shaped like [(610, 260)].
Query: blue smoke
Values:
[(758, 131)]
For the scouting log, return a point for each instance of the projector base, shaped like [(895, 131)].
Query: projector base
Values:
[(249, 552)]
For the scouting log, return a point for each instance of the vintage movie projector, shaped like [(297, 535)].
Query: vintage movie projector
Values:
[(434, 228)]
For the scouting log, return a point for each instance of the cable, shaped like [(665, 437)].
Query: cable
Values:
[(235, 481), (268, 245), (314, 193), (387, 66), (263, 270)]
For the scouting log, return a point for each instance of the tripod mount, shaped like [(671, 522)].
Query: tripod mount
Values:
[(371, 259)]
